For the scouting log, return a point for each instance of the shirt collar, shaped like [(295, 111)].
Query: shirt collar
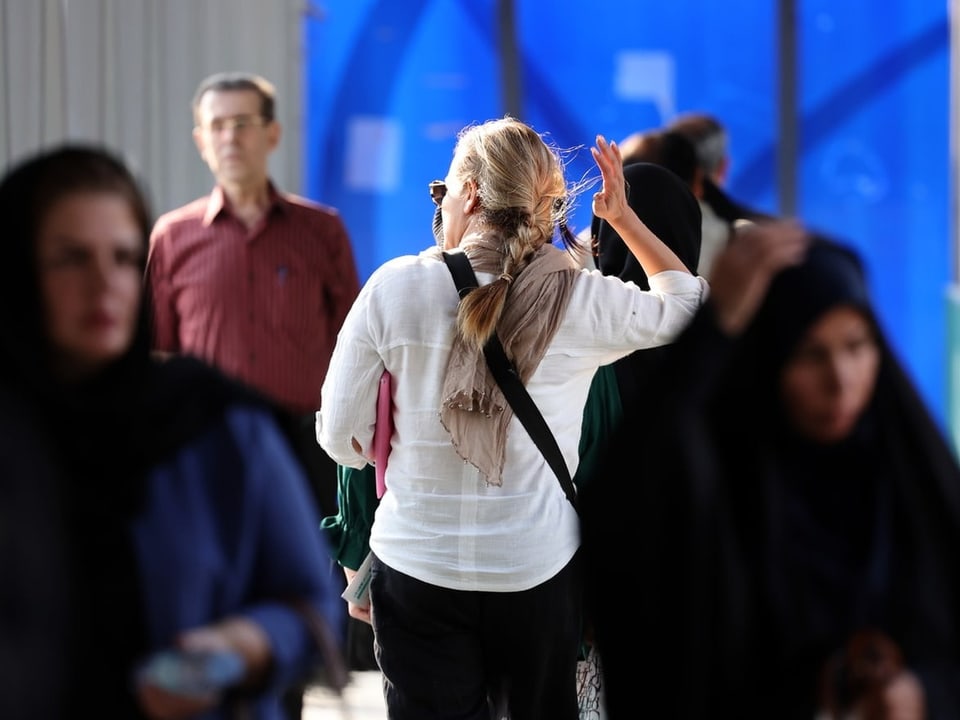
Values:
[(218, 203)]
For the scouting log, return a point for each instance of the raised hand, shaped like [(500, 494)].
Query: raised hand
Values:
[(610, 203), (743, 270)]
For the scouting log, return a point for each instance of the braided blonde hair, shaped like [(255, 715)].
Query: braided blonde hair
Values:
[(522, 196)]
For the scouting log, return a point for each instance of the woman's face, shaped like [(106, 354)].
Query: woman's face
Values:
[(90, 259), (456, 207), (829, 380)]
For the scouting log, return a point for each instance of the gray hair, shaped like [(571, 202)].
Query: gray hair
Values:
[(708, 136)]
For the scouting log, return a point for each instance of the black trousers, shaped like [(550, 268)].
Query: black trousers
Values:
[(450, 654)]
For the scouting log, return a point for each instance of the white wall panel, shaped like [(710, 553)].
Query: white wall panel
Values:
[(122, 72), (52, 92), (22, 66)]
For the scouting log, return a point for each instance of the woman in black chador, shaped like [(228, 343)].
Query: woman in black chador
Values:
[(789, 509), (159, 522)]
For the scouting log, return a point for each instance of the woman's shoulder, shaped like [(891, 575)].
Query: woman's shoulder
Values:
[(424, 261), (408, 272)]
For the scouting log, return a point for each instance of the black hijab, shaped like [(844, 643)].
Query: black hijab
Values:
[(666, 206), (105, 432)]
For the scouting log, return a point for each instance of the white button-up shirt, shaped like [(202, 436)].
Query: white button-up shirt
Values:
[(439, 522)]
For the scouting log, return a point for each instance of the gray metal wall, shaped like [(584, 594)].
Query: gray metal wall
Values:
[(122, 72)]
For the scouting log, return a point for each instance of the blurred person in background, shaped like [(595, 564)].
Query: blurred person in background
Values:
[(251, 279), (719, 210), (790, 506), (255, 280), (665, 205), (185, 519)]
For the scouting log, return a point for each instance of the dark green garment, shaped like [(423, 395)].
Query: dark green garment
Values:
[(348, 532), (601, 416)]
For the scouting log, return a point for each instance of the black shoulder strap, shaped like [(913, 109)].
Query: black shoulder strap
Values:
[(509, 381)]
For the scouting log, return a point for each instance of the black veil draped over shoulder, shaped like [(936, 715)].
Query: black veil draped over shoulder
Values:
[(667, 206), (758, 553)]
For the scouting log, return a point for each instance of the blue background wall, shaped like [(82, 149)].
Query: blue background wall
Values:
[(389, 84)]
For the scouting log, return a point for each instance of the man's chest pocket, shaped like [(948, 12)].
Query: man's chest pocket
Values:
[(296, 299)]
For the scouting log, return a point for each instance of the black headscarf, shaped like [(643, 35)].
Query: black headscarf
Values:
[(119, 422), (106, 432), (761, 550), (830, 277), (666, 206)]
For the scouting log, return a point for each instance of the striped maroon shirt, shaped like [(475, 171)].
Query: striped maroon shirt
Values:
[(263, 304)]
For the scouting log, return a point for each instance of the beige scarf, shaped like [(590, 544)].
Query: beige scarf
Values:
[(473, 409)]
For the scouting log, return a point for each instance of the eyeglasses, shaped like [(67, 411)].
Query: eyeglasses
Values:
[(438, 189), (237, 123)]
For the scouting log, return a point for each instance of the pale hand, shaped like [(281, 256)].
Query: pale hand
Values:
[(743, 270), (610, 203), (355, 611)]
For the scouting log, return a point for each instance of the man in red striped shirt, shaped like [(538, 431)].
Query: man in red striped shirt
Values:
[(251, 279)]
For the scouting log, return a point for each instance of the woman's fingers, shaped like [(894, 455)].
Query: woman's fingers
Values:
[(608, 201), (607, 157), (743, 270), (774, 245), (360, 613)]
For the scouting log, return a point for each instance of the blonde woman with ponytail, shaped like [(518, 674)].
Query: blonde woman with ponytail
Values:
[(474, 595)]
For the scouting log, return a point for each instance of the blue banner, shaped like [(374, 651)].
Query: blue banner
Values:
[(388, 85)]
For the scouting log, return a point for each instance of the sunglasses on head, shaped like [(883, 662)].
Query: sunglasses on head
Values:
[(438, 188)]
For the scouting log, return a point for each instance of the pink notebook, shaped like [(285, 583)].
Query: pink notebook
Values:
[(383, 431)]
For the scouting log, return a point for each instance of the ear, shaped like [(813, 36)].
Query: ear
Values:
[(720, 176), (198, 141), (274, 131), (696, 185), (471, 200)]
